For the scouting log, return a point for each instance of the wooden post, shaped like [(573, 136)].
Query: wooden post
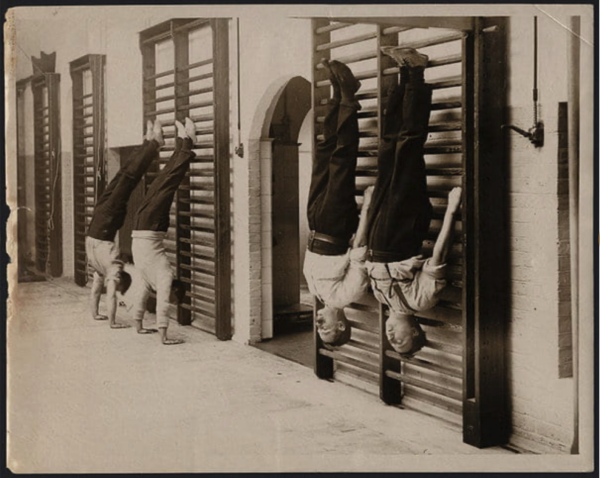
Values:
[(97, 71), (485, 417), (324, 366), (182, 204), (390, 390), (21, 182), (79, 228), (95, 65), (41, 246), (221, 92), (148, 96)]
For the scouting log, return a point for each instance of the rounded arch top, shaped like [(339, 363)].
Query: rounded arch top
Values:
[(296, 90)]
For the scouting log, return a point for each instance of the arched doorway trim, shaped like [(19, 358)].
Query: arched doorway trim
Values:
[(260, 157)]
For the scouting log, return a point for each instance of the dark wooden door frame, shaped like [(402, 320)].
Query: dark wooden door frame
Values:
[(485, 402)]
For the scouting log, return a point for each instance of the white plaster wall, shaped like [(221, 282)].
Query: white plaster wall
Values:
[(587, 245), (269, 58), (305, 138), (542, 403)]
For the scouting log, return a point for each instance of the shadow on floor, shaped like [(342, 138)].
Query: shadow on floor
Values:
[(293, 342)]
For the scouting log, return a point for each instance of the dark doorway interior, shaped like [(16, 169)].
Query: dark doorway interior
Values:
[(292, 311)]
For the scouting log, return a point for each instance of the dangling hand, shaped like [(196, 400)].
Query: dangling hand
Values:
[(454, 198), (368, 195), (416, 262)]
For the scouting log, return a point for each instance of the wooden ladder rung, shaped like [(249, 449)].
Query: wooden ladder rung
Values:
[(347, 41)]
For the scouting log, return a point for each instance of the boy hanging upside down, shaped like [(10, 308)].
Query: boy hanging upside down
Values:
[(109, 215), (150, 228), (335, 273), (400, 210)]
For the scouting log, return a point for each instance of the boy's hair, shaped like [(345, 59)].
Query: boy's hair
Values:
[(125, 257), (124, 282), (343, 336), (418, 342), (178, 290)]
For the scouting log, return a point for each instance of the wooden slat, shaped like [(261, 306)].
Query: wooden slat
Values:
[(433, 63), (162, 86), (159, 99), (425, 385), (457, 373), (159, 75), (438, 40), (332, 27), (360, 378), (395, 29), (435, 400), (200, 281), (205, 296), (192, 79), (346, 358), (355, 58), (347, 41), (197, 64), (200, 91)]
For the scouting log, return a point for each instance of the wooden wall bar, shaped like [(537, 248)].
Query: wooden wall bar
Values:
[(186, 74), (89, 148), (48, 190), (444, 378)]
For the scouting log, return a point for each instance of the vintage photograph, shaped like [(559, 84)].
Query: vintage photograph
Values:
[(300, 238)]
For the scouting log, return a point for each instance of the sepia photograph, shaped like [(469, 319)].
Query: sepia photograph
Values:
[(300, 238)]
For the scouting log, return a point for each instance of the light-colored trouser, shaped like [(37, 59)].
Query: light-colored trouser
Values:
[(102, 258), (155, 270)]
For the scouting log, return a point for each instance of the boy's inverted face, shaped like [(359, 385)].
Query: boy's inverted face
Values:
[(400, 333), (328, 324)]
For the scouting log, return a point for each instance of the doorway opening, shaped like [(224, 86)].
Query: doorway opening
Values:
[(290, 132)]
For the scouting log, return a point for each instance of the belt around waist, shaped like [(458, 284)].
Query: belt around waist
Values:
[(320, 243), (387, 257)]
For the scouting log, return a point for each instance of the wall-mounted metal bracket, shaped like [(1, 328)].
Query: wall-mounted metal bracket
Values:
[(535, 134), (239, 150)]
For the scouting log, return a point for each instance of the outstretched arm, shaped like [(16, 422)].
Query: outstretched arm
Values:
[(361, 232), (443, 242), (111, 305)]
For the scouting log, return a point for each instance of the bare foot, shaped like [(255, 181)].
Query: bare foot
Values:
[(119, 326), (100, 317), (147, 331)]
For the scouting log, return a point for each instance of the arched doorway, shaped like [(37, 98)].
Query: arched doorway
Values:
[(289, 131)]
